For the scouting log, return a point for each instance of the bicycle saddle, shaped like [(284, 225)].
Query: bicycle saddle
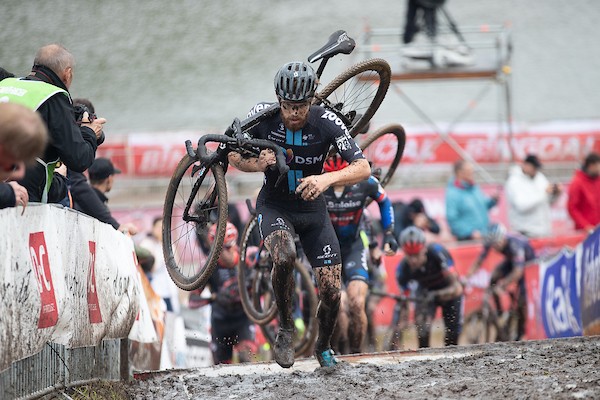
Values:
[(338, 43)]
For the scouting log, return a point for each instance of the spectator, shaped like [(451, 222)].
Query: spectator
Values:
[(91, 198), (23, 136), (46, 91), (584, 194), (145, 259), (529, 196), (466, 205), (425, 12), (159, 276), (230, 326), (413, 214), (416, 11), (5, 74), (432, 268)]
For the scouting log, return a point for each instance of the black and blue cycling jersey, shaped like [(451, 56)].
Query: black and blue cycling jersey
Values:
[(433, 275), (305, 151), (346, 208)]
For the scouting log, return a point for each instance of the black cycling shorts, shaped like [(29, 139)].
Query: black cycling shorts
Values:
[(226, 333), (313, 227), (354, 266)]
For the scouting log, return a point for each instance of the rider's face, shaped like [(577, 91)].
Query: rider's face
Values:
[(294, 114), (416, 261)]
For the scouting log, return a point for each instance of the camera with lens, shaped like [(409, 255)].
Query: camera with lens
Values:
[(80, 110)]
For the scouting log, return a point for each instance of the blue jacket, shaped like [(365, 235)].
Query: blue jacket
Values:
[(467, 209)]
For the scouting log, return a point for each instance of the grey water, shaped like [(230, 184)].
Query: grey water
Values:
[(159, 66)]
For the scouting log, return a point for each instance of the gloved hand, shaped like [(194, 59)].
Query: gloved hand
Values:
[(390, 245)]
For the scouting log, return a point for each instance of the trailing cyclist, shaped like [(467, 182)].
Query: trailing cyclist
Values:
[(230, 326), (346, 205), (297, 206), (517, 251), (431, 267)]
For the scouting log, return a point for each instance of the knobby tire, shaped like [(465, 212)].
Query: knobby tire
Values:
[(189, 267)]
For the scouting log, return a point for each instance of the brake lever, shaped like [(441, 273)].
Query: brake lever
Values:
[(189, 149)]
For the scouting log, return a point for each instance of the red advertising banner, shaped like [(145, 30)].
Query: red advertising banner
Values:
[(157, 154), (38, 252), (92, 294)]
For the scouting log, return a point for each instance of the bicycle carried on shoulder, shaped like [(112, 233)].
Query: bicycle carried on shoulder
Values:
[(197, 193)]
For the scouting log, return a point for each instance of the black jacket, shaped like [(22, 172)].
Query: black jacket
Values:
[(90, 200), (73, 144), (7, 196)]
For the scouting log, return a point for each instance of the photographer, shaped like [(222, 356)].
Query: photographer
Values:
[(46, 91)]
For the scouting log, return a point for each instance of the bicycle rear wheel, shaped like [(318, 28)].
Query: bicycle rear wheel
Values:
[(254, 276), (357, 93), (384, 149), (196, 198), (307, 300)]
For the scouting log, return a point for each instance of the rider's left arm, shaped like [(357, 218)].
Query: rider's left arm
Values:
[(452, 291)]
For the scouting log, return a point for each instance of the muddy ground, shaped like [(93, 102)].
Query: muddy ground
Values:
[(548, 369)]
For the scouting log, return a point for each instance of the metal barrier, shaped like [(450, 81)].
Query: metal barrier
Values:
[(56, 368)]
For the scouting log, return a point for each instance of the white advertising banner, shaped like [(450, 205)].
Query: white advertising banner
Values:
[(64, 278)]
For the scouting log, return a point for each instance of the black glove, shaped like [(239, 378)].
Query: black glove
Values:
[(389, 242)]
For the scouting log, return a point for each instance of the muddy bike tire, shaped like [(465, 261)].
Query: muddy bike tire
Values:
[(393, 338), (357, 93), (204, 191), (479, 329), (304, 344), (384, 148), (258, 299)]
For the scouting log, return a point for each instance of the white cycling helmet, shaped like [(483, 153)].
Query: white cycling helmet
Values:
[(495, 234)]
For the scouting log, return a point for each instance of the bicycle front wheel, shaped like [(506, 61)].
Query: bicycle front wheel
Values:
[(384, 149), (479, 328), (357, 93), (196, 199), (254, 276)]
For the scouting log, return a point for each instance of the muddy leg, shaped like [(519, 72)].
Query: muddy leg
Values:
[(357, 295), (283, 252), (329, 284)]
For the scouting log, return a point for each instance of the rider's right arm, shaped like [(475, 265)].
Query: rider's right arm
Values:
[(252, 164), (477, 264)]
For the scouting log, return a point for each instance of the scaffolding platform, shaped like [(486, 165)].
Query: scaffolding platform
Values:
[(489, 48)]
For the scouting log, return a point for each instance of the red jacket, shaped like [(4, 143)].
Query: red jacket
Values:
[(584, 200)]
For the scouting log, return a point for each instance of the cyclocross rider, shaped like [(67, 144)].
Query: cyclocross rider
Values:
[(517, 251), (432, 268), (297, 206), (346, 205)]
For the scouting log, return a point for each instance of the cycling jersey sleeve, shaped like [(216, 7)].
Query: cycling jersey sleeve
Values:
[(343, 142), (484, 253), (445, 259), (518, 253), (377, 193), (402, 276)]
